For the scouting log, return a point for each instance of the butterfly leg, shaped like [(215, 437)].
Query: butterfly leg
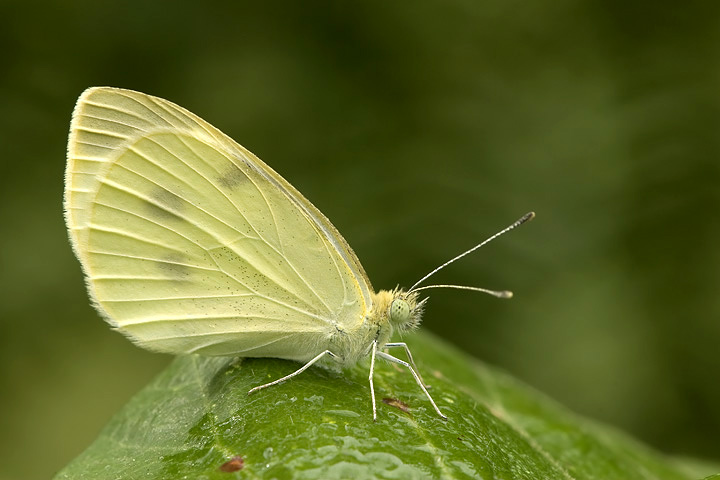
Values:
[(410, 357), (390, 358), (296, 372), (372, 385)]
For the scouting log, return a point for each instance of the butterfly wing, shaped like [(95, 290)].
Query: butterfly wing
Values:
[(190, 243)]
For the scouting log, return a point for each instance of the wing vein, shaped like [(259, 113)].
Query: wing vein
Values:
[(261, 237), (132, 236), (204, 229), (150, 201), (193, 297), (282, 252), (157, 103), (254, 347), (99, 131), (123, 111), (137, 257), (233, 277)]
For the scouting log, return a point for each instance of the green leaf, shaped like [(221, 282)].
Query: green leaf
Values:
[(197, 415)]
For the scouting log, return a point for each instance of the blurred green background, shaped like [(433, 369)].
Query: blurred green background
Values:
[(418, 128)]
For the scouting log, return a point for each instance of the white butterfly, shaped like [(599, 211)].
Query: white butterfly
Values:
[(191, 244)]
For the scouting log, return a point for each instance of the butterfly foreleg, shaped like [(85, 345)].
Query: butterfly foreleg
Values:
[(296, 372)]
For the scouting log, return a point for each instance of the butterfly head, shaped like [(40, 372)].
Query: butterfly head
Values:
[(405, 311)]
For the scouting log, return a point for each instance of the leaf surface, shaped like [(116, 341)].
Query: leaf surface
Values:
[(196, 420)]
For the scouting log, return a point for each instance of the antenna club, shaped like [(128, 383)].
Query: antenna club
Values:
[(505, 294)]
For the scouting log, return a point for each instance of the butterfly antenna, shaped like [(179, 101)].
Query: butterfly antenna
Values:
[(501, 294), (494, 293)]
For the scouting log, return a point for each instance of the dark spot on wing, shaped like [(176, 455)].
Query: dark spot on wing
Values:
[(165, 205), (399, 404), (172, 267), (232, 177), (233, 465)]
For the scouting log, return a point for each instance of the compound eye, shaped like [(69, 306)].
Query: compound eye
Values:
[(399, 311)]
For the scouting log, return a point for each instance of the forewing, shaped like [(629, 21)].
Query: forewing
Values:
[(190, 243)]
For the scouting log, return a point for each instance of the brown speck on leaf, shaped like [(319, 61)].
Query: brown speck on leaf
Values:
[(233, 465), (399, 404)]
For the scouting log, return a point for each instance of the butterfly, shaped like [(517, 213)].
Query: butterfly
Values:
[(190, 244)]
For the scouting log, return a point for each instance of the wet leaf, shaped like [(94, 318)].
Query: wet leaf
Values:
[(196, 417)]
